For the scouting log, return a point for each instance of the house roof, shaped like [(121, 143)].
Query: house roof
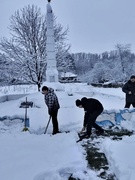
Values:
[(67, 74)]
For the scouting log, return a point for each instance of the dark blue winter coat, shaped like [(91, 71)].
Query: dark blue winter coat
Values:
[(129, 86)]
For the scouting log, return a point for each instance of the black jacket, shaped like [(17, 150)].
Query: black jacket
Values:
[(90, 106), (129, 86)]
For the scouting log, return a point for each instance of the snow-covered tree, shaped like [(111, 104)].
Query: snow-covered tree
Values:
[(84, 62), (123, 58), (26, 50), (116, 65), (3, 70), (67, 64)]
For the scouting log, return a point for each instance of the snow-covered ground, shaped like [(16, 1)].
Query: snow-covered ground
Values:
[(37, 156)]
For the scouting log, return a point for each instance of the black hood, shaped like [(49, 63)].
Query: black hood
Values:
[(84, 101)]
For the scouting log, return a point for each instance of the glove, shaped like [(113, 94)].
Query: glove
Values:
[(129, 92)]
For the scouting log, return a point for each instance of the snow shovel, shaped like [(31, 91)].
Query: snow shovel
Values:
[(47, 125)]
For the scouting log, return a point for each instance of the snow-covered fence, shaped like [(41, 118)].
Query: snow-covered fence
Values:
[(11, 97), (3, 98), (18, 89), (12, 118), (114, 117)]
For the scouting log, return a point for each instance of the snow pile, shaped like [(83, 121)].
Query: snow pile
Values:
[(37, 156), (120, 156), (115, 117), (25, 155)]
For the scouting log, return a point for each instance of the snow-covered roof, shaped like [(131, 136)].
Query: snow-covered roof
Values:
[(67, 74)]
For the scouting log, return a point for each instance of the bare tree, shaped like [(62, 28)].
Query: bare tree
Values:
[(26, 50)]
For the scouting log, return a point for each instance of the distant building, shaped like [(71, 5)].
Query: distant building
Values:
[(67, 77)]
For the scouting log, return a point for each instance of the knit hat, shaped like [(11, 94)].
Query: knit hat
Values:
[(78, 102), (44, 88), (132, 77)]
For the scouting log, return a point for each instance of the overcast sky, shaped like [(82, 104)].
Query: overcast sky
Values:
[(94, 25)]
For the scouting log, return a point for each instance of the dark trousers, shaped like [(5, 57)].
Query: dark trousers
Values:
[(55, 121), (91, 122), (127, 105)]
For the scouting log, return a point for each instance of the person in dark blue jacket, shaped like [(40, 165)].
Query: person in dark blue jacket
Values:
[(52, 103), (129, 90), (93, 108)]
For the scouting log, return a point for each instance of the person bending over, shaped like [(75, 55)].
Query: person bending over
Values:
[(92, 108)]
